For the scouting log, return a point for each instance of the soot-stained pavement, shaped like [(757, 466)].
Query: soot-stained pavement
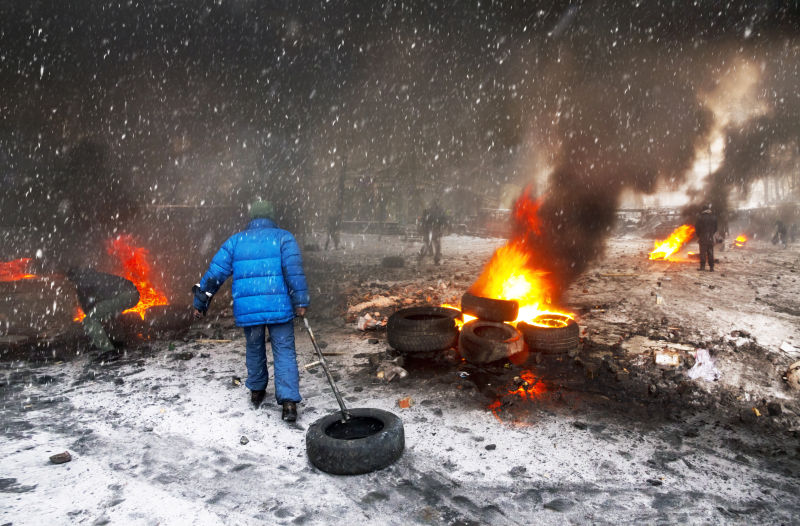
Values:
[(163, 432)]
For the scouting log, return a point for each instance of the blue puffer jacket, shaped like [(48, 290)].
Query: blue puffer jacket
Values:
[(268, 278)]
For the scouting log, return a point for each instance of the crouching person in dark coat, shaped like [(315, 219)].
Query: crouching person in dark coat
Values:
[(269, 289), (705, 228), (101, 296)]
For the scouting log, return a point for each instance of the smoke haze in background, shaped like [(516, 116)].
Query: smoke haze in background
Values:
[(217, 102)]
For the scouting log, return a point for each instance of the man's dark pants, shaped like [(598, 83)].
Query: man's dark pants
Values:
[(287, 377), (707, 253)]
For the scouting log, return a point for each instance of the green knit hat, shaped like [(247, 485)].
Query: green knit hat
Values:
[(261, 209)]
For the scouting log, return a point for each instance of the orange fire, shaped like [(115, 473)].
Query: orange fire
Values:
[(740, 241), (136, 267), (679, 237), (529, 387), (513, 274), (15, 270)]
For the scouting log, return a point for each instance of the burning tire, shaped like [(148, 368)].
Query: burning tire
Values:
[(370, 440), (488, 341), (489, 309), (553, 334), (423, 329)]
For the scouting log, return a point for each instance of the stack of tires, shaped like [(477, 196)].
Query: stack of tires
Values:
[(423, 329), (488, 338)]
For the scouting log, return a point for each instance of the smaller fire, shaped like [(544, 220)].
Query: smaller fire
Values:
[(531, 386), (740, 241), (15, 270), (528, 387), (136, 266), (679, 237)]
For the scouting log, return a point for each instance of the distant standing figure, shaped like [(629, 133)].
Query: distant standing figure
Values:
[(269, 290), (433, 224), (705, 228), (781, 234), (334, 225)]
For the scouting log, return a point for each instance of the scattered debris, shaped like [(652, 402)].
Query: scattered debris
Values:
[(774, 409), (704, 367), (669, 358), (378, 302), (756, 411), (61, 458), (236, 381), (367, 323), (389, 371), (373, 341), (186, 355), (793, 376), (244, 440), (312, 364), (207, 340), (405, 403), (393, 262)]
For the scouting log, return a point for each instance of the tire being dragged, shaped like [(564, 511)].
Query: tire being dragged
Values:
[(370, 440)]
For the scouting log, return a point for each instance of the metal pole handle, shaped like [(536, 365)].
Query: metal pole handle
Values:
[(345, 413)]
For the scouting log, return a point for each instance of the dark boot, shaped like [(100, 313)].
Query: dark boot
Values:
[(256, 397), (289, 411)]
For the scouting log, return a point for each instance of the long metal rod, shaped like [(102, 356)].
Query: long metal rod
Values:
[(345, 413)]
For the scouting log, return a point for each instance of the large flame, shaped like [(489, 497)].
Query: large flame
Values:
[(513, 274), (136, 267), (679, 237), (740, 241), (15, 270)]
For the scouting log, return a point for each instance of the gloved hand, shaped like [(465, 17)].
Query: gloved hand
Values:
[(201, 300)]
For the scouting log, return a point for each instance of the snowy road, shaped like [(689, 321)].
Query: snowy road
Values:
[(156, 439)]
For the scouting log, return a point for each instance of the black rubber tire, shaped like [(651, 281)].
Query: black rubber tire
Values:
[(550, 340), (423, 329), (370, 449), (489, 309), (393, 262), (484, 341)]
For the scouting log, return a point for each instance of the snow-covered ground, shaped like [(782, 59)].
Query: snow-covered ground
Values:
[(156, 435)]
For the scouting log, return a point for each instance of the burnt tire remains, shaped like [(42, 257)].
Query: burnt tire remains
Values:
[(370, 440), (489, 309), (423, 329), (484, 341), (560, 336)]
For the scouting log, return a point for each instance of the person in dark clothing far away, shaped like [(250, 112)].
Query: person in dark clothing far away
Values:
[(334, 225), (269, 290), (781, 234), (432, 226), (705, 228), (101, 296)]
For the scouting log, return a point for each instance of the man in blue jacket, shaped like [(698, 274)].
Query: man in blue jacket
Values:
[(269, 289)]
